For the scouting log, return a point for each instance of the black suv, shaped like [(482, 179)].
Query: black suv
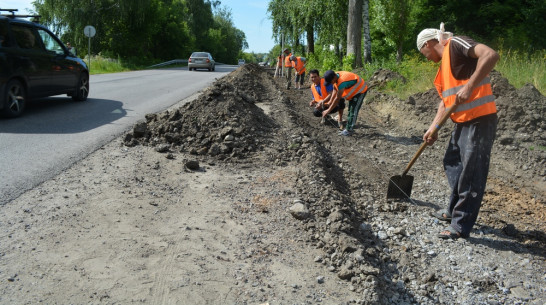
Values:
[(35, 63)]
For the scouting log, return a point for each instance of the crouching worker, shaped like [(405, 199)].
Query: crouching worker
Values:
[(350, 87), (320, 92)]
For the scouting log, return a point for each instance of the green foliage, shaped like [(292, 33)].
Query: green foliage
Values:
[(392, 22), (348, 62), (146, 29), (313, 62), (520, 24), (291, 19)]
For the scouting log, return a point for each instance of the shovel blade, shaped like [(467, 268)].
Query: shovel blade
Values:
[(400, 187)]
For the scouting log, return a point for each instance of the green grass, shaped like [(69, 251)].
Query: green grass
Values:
[(102, 65), (521, 68), (541, 148), (419, 75), (517, 67)]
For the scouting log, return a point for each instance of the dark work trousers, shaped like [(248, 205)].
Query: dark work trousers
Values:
[(288, 76), (466, 164), (300, 78), (354, 107)]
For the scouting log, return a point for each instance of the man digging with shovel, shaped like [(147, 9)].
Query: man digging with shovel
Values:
[(462, 82)]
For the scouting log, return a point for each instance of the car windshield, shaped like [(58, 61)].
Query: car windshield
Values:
[(50, 43), (200, 54)]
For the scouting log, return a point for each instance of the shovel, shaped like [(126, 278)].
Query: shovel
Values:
[(400, 185)]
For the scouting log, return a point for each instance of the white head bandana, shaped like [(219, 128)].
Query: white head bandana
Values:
[(429, 34)]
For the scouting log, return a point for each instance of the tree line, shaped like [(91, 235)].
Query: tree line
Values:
[(146, 30), (389, 27)]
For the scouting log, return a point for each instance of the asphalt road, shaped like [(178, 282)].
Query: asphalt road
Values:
[(56, 132)]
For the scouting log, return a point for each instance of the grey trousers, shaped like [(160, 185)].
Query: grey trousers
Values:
[(288, 77), (466, 164)]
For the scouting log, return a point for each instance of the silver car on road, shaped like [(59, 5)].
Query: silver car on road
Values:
[(201, 60)]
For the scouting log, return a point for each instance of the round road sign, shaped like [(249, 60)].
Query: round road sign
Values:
[(89, 31)]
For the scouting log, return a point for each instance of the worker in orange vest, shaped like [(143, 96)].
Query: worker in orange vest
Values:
[(288, 66), (298, 63), (320, 92), (463, 82), (353, 89)]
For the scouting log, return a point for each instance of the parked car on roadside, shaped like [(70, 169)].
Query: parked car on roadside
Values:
[(241, 62), (201, 60), (34, 63)]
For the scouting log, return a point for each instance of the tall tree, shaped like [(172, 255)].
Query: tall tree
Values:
[(366, 31), (201, 20), (354, 31), (391, 18), (144, 29)]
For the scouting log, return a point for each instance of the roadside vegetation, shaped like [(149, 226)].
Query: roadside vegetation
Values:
[(102, 65), (134, 35), (385, 36), (143, 31)]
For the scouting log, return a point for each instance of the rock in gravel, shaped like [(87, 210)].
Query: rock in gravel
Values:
[(299, 211), (320, 279), (192, 165), (162, 148)]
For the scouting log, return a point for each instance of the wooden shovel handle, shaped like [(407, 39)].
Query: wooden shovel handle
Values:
[(446, 115)]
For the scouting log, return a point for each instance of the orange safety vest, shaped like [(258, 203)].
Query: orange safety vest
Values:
[(350, 92), (298, 65), (481, 101), (287, 62), (323, 93)]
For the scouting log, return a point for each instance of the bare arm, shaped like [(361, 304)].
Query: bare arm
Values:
[(430, 137), (487, 59), (326, 99), (334, 100)]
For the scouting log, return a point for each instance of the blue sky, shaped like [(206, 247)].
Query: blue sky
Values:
[(248, 16)]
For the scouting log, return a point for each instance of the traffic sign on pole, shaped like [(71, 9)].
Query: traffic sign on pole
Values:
[(89, 31)]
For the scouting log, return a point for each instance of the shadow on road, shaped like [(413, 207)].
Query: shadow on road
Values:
[(61, 115)]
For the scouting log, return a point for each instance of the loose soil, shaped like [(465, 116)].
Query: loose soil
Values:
[(241, 196)]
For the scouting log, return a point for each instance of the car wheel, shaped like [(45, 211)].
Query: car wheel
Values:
[(15, 99), (213, 68), (82, 91)]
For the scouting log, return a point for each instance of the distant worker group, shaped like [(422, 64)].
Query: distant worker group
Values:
[(330, 94)]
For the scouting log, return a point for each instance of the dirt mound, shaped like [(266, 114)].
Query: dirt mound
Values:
[(382, 76), (223, 122)]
